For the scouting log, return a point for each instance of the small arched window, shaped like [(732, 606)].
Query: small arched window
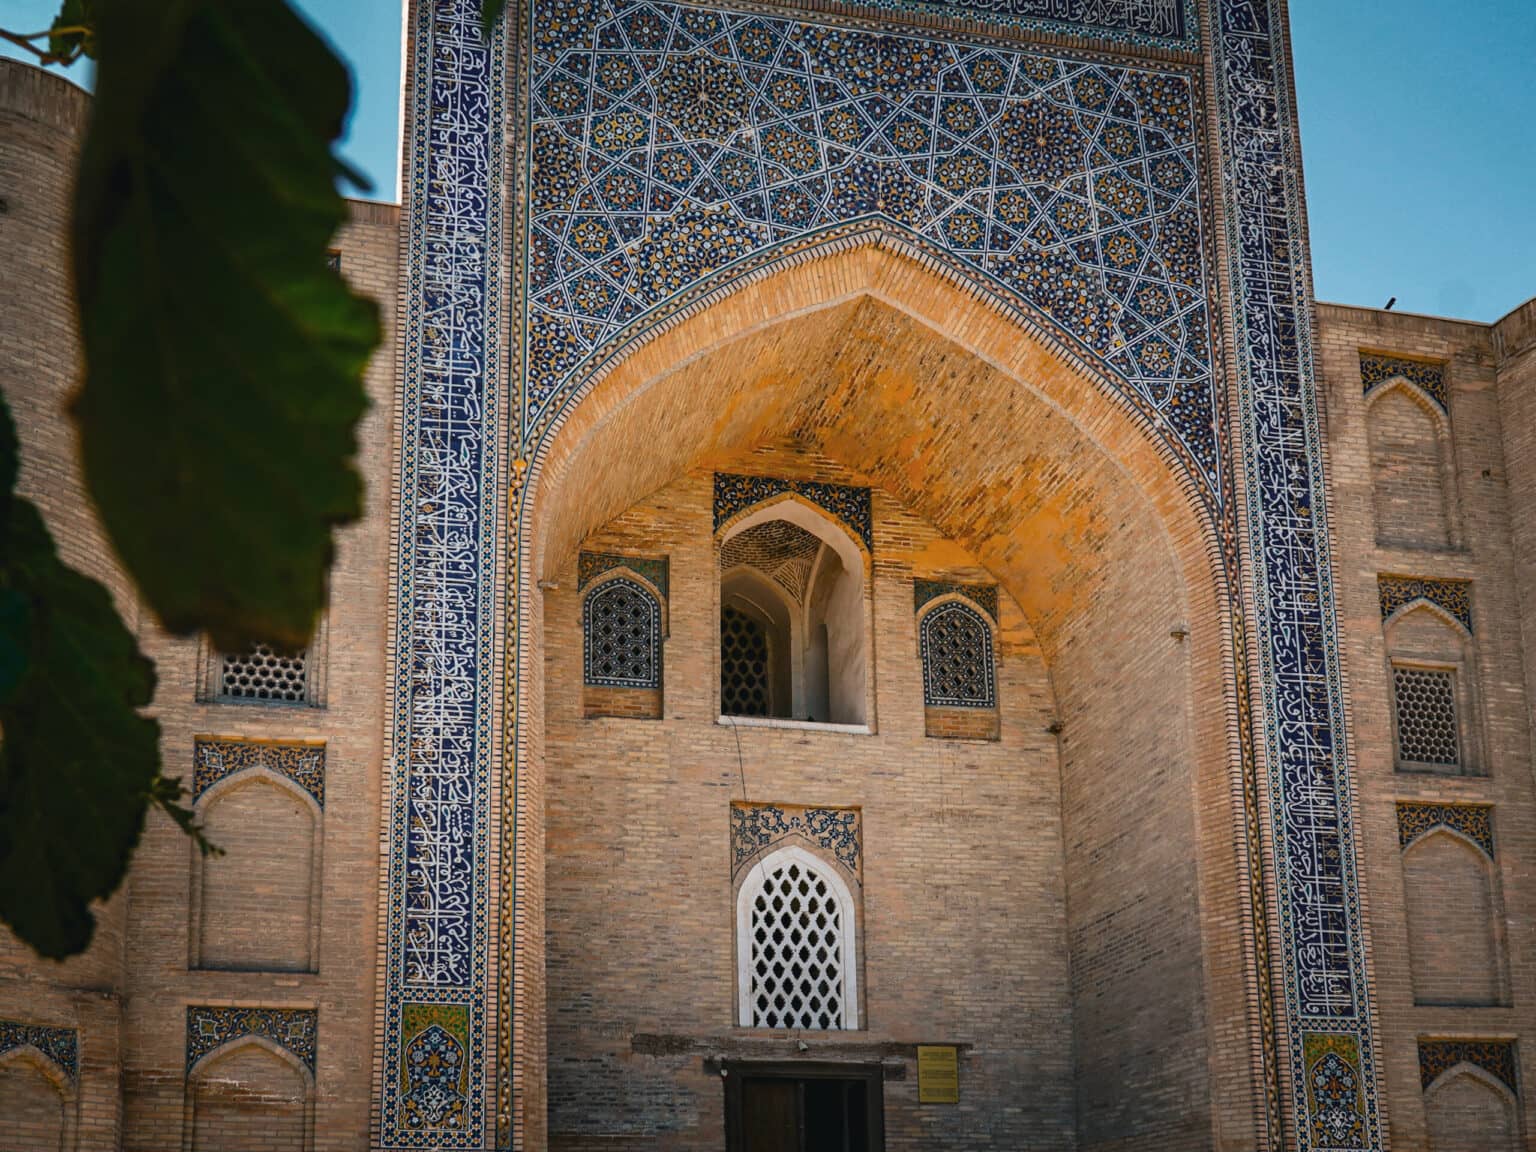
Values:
[(956, 645), (621, 625), (796, 948)]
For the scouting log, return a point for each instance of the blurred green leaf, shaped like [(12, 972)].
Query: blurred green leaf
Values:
[(78, 764), (490, 12), (73, 32), (223, 359)]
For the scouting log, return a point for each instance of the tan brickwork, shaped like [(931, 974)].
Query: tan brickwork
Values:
[(1426, 916), (961, 723), (634, 703), (249, 1100), (35, 1105), (1467, 1114)]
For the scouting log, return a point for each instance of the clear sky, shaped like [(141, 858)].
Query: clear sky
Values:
[(1418, 131)]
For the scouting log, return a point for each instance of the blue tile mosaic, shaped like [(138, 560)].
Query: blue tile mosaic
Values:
[(295, 1030), (674, 148), (214, 760), (621, 635), (758, 828), (60, 1046), (1474, 821), (1495, 1057), (1453, 597), (1288, 552), (1428, 378), (1153, 23), (591, 565), (983, 596), (850, 506)]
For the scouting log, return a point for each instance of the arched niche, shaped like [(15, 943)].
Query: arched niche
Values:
[(1455, 940), (1413, 469), (1432, 686), (253, 907), (249, 1093), (1467, 1110), (802, 580), (914, 385), (36, 1102)]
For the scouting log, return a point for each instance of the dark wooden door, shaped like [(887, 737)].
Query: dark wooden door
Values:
[(803, 1108)]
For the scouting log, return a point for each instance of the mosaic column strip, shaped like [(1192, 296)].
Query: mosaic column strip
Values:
[(1474, 821), (437, 920), (1495, 1057), (1333, 1076), (295, 1030), (59, 1046), (1453, 597)]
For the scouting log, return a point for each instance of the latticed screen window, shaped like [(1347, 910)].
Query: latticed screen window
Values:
[(956, 646), (743, 665), (1426, 716), (621, 622), (265, 674), (798, 953)]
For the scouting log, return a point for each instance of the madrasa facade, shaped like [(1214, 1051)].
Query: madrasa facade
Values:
[(887, 617)]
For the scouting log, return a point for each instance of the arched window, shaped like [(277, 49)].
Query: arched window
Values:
[(793, 618), (1433, 693), (956, 644), (796, 947), (621, 624)]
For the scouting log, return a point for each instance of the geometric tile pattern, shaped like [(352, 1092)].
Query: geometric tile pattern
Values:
[(214, 760), (1154, 23), (672, 145), (434, 1077), (591, 565), (983, 596), (1316, 884), (847, 505), (1454, 597), (1474, 821), (756, 828), (1495, 1057), (295, 1030), (956, 646), (621, 633), (1335, 1103), (61, 1046), (1428, 378)]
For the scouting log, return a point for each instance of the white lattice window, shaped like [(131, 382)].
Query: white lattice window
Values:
[(265, 675), (795, 945), (621, 622), (1426, 716), (956, 646)]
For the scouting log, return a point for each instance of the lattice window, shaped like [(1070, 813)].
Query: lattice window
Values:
[(796, 947), (1426, 716), (743, 665), (621, 621), (266, 674), (956, 646)]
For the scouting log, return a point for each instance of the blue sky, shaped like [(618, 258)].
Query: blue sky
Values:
[(1418, 130)]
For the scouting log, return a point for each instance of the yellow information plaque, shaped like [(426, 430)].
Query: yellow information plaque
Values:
[(938, 1074)]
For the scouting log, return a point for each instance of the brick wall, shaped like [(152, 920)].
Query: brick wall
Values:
[(1436, 933)]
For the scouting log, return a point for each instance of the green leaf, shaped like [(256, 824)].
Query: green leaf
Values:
[(490, 12), (223, 360), (73, 31), (78, 764)]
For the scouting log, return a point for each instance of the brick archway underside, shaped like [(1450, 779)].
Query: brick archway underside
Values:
[(907, 380)]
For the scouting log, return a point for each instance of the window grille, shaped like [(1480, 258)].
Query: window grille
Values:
[(621, 622), (266, 674), (1426, 716), (798, 971), (956, 646), (743, 665)]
